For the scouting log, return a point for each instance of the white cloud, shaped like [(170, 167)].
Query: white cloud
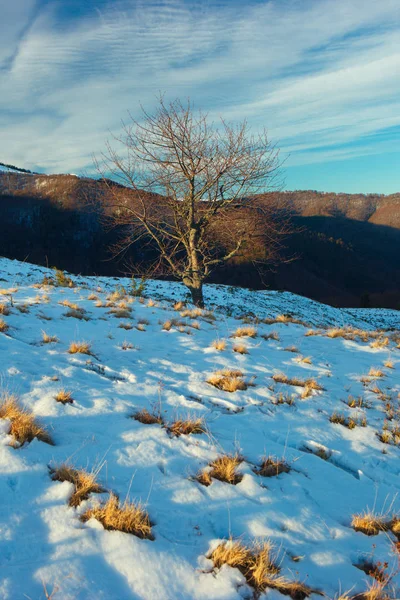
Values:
[(319, 74)]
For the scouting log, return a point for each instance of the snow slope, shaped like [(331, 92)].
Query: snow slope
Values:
[(306, 513)]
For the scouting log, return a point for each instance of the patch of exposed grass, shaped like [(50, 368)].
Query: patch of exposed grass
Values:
[(258, 565), (147, 418), (271, 466), (24, 427), (49, 339), (245, 332), (126, 326), (219, 345), (293, 349), (349, 422), (271, 336), (80, 348), (4, 309), (128, 517), (240, 349), (368, 523), (84, 483), (64, 397), (3, 326), (228, 380), (187, 426), (223, 468), (375, 372), (309, 384), (283, 398)]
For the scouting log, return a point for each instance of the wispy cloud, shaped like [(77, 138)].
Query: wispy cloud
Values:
[(321, 75)]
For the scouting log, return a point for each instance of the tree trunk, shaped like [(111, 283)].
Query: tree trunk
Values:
[(196, 290)]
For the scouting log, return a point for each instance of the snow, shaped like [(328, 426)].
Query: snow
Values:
[(305, 513)]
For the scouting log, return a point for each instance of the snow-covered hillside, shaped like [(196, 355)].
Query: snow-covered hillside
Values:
[(318, 391)]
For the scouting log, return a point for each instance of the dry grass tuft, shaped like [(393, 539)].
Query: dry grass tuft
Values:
[(49, 339), (245, 332), (228, 380), (192, 313), (64, 397), (388, 364), (271, 466), (282, 398), (143, 416), (120, 313), (304, 359), (178, 306), (84, 483), (24, 427), (80, 314), (380, 342), (3, 326), (222, 468), (187, 426), (293, 349), (4, 309), (349, 422), (80, 348), (128, 517), (368, 523), (376, 372), (258, 566), (271, 336), (240, 349), (309, 385), (219, 345), (126, 326)]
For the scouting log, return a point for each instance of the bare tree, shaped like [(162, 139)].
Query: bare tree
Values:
[(188, 189)]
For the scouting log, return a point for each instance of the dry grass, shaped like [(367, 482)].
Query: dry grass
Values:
[(293, 349), (4, 309), (126, 326), (349, 422), (84, 483), (128, 517), (3, 326), (368, 523), (222, 468), (388, 364), (22, 308), (308, 384), (64, 397), (258, 566), (187, 426), (120, 313), (69, 304), (245, 332), (193, 313), (24, 428), (49, 339), (228, 380), (376, 372), (147, 418), (271, 466), (179, 306), (240, 349), (271, 336), (77, 314), (306, 360), (282, 398), (127, 346), (92, 297), (381, 342), (219, 345), (80, 348)]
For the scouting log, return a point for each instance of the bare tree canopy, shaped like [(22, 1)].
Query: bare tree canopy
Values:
[(194, 185)]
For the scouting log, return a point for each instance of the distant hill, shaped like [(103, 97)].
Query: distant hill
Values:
[(347, 246)]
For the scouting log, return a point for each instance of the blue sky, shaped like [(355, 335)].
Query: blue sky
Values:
[(323, 76)]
